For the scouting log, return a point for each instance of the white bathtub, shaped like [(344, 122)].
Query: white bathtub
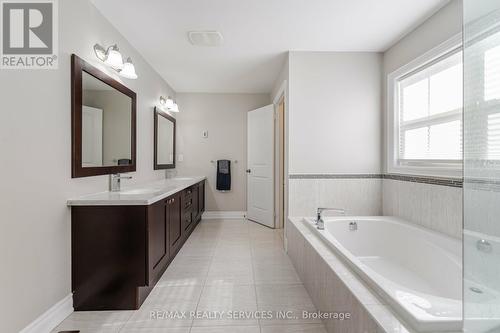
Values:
[(416, 271)]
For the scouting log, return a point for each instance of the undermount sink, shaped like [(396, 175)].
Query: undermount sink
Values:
[(139, 191), (182, 178)]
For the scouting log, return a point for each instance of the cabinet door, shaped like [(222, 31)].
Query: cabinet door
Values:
[(158, 242), (175, 221)]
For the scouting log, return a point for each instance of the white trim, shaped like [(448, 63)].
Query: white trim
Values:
[(391, 121), (52, 317), (224, 215), (280, 92)]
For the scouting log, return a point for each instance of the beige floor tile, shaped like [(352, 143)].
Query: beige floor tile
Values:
[(275, 275), (308, 328), (172, 295), (288, 315), (162, 316), (286, 294), (231, 265), (89, 330), (229, 279), (227, 329), (230, 304), (185, 278), (95, 321), (227, 297), (156, 330)]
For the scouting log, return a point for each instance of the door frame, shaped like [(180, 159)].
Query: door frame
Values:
[(281, 216)]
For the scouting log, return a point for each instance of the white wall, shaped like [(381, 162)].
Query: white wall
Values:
[(335, 118), (224, 116), (35, 175), (334, 128), (433, 206)]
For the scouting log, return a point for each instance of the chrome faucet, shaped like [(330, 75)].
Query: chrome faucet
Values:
[(115, 181), (320, 224)]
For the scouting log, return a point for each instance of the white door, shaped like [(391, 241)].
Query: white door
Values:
[(260, 170), (91, 136)]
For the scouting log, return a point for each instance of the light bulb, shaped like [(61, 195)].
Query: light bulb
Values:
[(114, 58), (128, 70), (174, 108)]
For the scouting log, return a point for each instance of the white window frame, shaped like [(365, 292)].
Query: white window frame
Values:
[(418, 167)]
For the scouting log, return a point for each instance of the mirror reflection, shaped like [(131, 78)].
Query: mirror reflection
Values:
[(106, 124), (164, 140)]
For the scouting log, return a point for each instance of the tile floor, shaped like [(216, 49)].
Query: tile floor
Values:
[(226, 266)]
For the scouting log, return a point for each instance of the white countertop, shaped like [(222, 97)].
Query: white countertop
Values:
[(137, 195)]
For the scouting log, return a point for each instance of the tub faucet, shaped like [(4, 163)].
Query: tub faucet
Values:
[(115, 181), (320, 224)]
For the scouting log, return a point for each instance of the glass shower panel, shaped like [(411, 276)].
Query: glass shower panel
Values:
[(481, 166)]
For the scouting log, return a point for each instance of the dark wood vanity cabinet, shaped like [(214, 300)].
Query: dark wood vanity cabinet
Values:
[(175, 213), (120, 252)]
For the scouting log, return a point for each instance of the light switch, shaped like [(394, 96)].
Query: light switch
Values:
[(180, 157), (205, 134)]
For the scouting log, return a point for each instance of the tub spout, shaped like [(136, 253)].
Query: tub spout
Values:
[(320, 224)]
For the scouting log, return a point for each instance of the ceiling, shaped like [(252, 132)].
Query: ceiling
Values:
[(257, 35)]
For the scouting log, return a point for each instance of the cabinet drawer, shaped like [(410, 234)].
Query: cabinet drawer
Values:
[(188, 193)]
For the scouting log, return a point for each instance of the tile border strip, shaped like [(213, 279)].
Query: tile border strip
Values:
[(442, 181), (452, 182), (335, 176)]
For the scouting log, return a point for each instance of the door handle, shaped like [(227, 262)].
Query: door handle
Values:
[(249, 171)]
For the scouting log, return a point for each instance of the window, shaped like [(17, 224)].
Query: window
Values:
[(430, 112), (483, 125), (426, 119)]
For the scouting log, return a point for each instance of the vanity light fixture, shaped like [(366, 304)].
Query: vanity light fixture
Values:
[(114, 59), (174, 108), (128, 70), (168, 104)]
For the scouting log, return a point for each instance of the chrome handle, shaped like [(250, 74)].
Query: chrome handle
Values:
[(249, 171)]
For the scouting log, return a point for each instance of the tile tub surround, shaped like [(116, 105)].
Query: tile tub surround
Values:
[(357, 195), (432, 202), (334, 287), (436, 207), (225, 265)]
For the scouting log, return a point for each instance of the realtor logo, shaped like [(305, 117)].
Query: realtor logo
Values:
[(29, 34)]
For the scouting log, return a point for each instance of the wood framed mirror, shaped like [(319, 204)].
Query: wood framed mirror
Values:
[(103, 122), (164, 140)]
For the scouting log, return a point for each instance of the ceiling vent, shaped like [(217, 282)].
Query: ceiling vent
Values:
[(205, 38)]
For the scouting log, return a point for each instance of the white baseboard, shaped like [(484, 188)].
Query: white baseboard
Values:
[(223, 215), (52, 317)]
